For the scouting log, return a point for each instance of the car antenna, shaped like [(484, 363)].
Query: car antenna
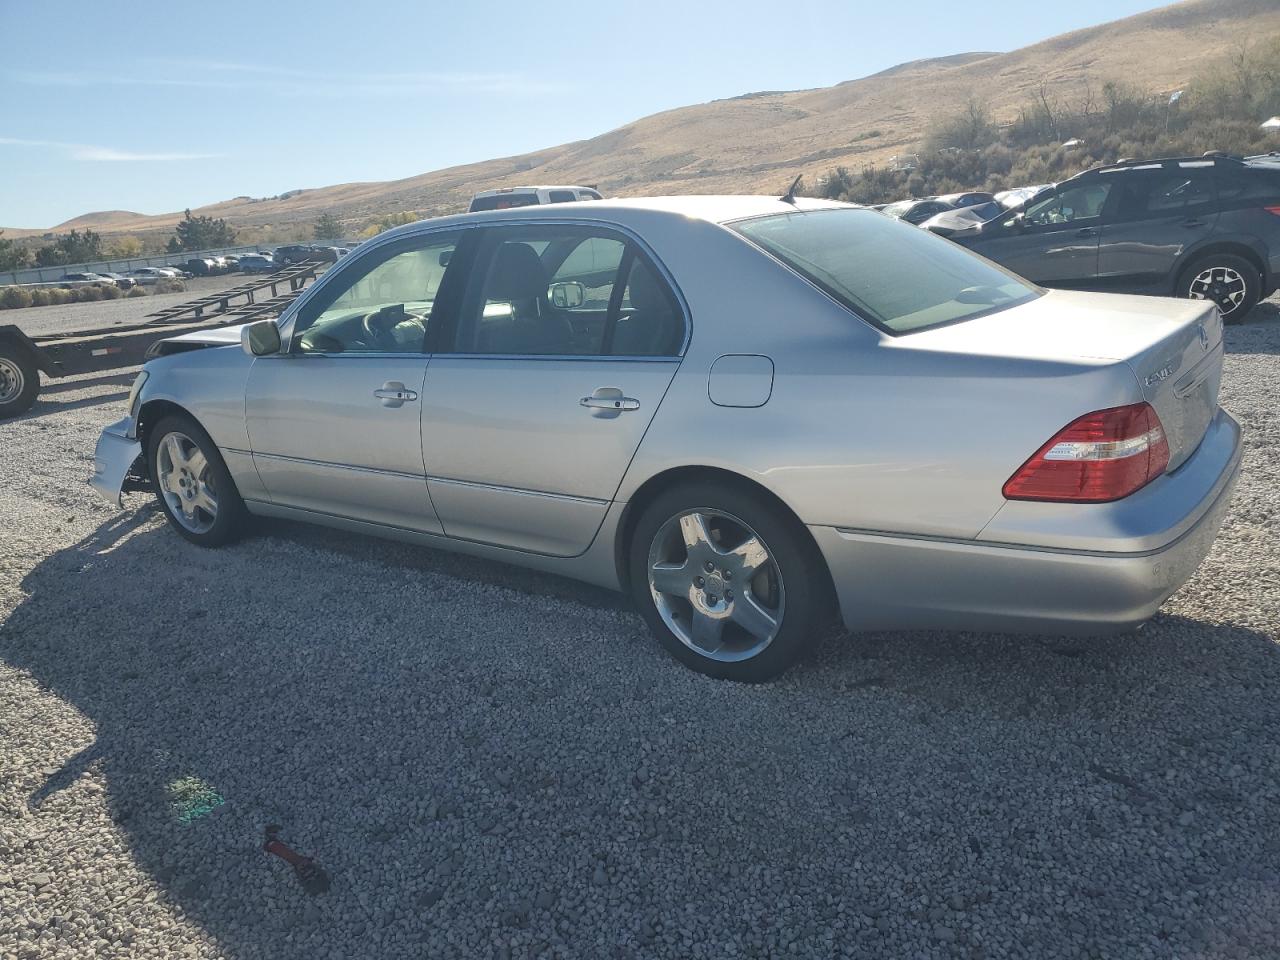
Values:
[(790, 195)]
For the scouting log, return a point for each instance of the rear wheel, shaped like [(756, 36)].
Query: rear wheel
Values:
[(192, 483), (1232, 282), (19, 382), (730, 585)]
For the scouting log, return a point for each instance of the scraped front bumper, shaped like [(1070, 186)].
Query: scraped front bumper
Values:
[(113, 459)]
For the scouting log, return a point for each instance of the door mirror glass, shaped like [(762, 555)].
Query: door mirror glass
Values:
[(567, 294), (260, 339)]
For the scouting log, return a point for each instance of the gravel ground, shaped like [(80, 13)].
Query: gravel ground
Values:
[(493, 763), (102, 313)]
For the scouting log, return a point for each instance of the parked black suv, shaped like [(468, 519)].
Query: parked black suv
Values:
[(1203, 227)]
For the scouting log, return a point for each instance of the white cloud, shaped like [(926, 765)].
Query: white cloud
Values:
[(285, 81), (88, 151)]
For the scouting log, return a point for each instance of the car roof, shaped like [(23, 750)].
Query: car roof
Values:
[(714, 209), (531, 189)]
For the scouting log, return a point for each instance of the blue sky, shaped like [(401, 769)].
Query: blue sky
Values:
[(158, 106)]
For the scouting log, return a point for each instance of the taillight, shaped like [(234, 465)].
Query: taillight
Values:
[(1275, 210), (1105, 455)]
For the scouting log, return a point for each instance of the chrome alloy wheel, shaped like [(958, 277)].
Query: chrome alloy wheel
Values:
[(12, 381), (715, 585), (186, 482), (1224, 286)]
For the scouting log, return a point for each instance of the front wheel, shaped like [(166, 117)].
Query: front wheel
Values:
[(1231, 282), (192, 483), (729, 584)]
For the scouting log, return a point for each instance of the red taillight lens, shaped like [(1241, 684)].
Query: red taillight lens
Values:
[(1275, 210), (1103, 456)]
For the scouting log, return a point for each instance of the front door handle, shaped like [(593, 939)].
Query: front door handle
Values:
[(1087, 232), (393, 393), (608, 402), (1193, 223)]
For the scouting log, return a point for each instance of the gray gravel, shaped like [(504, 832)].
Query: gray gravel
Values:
[(491, 763)]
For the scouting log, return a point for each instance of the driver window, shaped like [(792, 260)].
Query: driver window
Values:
[(1072, 205), (382, 306)]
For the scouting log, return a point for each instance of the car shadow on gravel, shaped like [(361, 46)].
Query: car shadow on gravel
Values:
[(481, 758), (1257, 333)]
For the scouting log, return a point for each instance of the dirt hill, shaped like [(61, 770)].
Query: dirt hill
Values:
[(759, 141)]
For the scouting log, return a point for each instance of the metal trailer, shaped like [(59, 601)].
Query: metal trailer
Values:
[(23, 358)]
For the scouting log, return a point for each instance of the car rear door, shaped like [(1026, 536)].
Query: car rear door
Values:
[(1055, 242), (334, 421), (536, 402), (1157, 215)]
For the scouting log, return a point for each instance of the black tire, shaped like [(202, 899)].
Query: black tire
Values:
[(1192, 282), (19, 381), (229, 518), (796, 562)]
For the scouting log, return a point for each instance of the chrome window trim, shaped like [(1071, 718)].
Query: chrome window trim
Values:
[(612, 358), (415, 230)]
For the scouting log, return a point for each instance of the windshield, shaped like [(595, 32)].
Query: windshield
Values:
[(897, 209), (898, 277), (504, 201)]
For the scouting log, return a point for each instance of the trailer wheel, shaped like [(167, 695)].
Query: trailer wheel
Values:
[(19, 381)]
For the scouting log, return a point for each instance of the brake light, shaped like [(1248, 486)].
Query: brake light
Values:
[(1104, 455), (1275, 210)]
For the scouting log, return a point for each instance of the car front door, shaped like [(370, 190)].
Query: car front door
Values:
[(1159, 215), (1055, 241), (567, 340), (334, 420)]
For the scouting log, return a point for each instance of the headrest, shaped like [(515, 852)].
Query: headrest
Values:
[(516, 274), (647, 293)]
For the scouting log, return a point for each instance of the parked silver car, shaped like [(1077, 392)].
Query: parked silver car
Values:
[(747, 412)]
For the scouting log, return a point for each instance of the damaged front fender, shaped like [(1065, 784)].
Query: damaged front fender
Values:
[(113, 460)]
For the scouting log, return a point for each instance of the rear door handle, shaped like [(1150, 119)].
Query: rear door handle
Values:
[(393, 393), (1087, 232), (608, 402), (1193, 223)]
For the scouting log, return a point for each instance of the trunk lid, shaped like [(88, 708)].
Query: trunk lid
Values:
[(1173, 347)]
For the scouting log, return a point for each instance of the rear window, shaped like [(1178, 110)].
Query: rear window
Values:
[(898, 277), (504, 201)]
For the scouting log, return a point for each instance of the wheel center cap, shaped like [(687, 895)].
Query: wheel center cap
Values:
[(715, 583)]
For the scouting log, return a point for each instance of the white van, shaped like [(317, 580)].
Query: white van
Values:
[(509, 197)]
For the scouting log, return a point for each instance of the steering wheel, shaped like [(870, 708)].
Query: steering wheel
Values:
[(378, 325)]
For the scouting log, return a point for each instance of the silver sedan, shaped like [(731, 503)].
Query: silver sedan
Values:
[(752, 414)]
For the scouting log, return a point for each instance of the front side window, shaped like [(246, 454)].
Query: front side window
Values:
[(567, 291), (381, 304), (1079, 204), (900, 278)]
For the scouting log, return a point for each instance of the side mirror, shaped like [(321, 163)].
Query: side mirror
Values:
[(567, 294), (1018, 222), (260, 338)]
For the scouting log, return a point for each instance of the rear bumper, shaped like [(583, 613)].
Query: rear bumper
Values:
[(888, 582), (112, 460)]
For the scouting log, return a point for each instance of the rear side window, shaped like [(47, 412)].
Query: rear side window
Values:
[(504, 201), (1162, 194), (561, 196), (898, 277), (1240, 188)]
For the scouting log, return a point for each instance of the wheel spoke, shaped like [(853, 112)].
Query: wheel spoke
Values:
[(751, 555), (707, 632), (196, 462), (206, 502), (174, 448), (693, 526), (753, 618), (671, 578)]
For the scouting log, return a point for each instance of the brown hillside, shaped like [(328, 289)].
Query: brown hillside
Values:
[(758, 142)]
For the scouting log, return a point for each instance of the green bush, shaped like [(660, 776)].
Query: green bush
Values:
[(14, 297), (136, 291), (59, 295), (169, 285), (40, 297), (111, 293), (88, 294)]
